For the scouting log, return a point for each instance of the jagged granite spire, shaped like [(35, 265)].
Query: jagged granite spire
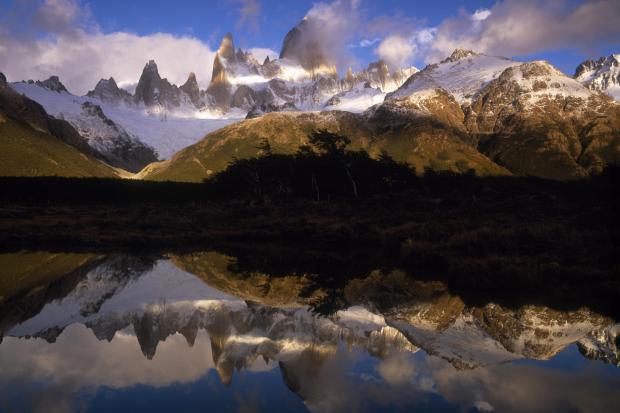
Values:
[(107, 90), (148, 90), (300, 46), (602, 75), (220, 87), (191, 89), (53, 83), (153, 90), (227, 48)]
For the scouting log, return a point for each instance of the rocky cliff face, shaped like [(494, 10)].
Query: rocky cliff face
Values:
[(534, 120), (23, 110), (191, 89), (107, 90), (527, 117), (37, 144), (53, 83), (240, 81), (602, 75), (602, 345), (300, 46), (380, 76), (115, 145), (220, 88), (152, 90)]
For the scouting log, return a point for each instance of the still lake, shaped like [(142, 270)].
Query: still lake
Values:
[(199, 332)]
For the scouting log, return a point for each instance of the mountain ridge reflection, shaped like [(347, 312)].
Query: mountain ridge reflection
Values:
[(412, 332)]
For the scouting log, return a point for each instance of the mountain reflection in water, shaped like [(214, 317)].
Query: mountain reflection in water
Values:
[(190, 332)]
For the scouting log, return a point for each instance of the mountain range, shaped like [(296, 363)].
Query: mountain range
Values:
[(471, 111)]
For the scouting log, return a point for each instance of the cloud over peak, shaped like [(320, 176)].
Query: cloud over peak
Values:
[(249, 14), (523, 27), (81, 56)]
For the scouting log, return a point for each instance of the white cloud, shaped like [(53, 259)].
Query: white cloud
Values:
[(260, 53), (328, 29), (369, 42), (82, 57), (397, 368), (396, 50), (521, 27), (75, 49), (425, 36), (249, 14), (481, 14)]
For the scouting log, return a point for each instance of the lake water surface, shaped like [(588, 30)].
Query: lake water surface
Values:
[(196, 332)]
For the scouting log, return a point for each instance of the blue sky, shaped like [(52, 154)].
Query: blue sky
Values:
[(83, 40), (209, 20)]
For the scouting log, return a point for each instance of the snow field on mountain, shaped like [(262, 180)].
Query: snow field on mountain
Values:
[(167, 132)]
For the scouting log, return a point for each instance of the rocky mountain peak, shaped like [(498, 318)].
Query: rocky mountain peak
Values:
[(227, 48), (219, 88), (2, 80), (151, 67), (602, 75), (148, 87), (459, 54), (349, 77), (588, 65), (191, 89), (108, 91), (108, 83), (54, 84), (219, 71), (301, 47), (379, 66), (538, 68), (153, 90), (191, 79)]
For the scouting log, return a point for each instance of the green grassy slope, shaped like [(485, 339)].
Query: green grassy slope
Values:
[(287, 131), (27, 152)]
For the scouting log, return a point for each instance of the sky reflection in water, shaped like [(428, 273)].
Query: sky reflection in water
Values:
[(131, 337)]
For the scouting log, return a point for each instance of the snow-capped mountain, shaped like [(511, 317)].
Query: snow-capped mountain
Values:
[(528, 117), (602, 345), (602, 75), (161, 118), (158, 299), (134, 132), (164, 300), (108, 91), (462, 74), (153, 91), (293, 82), (468, 98)]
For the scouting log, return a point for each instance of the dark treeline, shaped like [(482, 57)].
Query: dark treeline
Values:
[(44, 190), (323, 171)]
